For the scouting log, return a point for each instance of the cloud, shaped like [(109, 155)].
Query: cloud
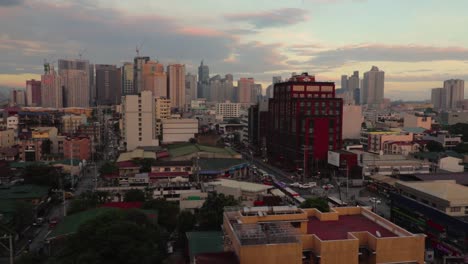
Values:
[(384, 52), (4, 3), (240, 31), (273, 18)]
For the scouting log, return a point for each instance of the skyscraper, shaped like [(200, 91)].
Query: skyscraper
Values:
[(228, 84), (190, 88), (51, 88), (244, 89), (203, 81), (373, 87), (127, 79), (176, 85), (216, 89), (138, 63), (18, 97), (256, 93), (33, 93), (107, 84), (75, 80), (154, 78), (438, 98), (454, 92), (344, 83), (353, 81), (92, 86)]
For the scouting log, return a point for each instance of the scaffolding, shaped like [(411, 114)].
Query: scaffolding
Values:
[(266, 233)]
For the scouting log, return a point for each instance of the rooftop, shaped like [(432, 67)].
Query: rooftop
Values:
[(218, 164), (244, 186), (17, 192), (460, 178), (447, 190), (182, 149), (204, 242), (415, 130), (136, 154), (338, 230)]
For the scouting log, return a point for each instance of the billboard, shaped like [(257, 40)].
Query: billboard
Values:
[(334, 158)]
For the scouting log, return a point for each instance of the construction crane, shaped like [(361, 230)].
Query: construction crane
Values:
[(138, 48), (81, 52)]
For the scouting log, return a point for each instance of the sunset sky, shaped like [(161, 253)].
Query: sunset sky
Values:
[(418, 43)]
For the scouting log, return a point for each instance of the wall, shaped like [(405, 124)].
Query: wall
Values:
[(7, 138), (352, 120), (411, 120), (451, 164), (272, 254)]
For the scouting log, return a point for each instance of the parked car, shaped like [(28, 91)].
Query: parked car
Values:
[(53, 222)]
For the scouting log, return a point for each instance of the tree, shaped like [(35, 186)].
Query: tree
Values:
[(87, 200), (460, 129), (23, 215), (167, 212), (134, 195), (115, 237), (108, 168), (211, 213), (318, 203), (434, 146), (41, 174), (461, 148), (186, 221)]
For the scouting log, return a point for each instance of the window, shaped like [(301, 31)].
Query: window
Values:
[(455, 209)]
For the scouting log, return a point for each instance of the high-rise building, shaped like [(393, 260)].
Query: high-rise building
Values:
[(228, 88), (305, 122), (107, 84), (357, 96), (18, 97), (51, 88), (454, 92), (228, 109), (245, 88), (176, 85), (163, 111), (75, 76), (190, 88), (127, 79), (139, 120), (92, 86), (438, 98), (344, 82), (256, 93), (373, 88), (216, 89), (203, 81), (155, 79), (138, 63), (353, 81), (276, 79), (33, 93)]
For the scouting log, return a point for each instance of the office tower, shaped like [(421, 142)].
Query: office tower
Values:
[(256, 93), (353, 81), (357, 96), (127, 79), (269, 91), (107, 84), (438, 98), (92, 86), (344, 82), (139, 120), (216, 89), (138, 63), (75, 80), (176, 85), (203, 81), (190, 88), (33, 93), (228, 84), (373, 87), (18, 97), (304, 122), (155, 79), (244, 89), (454, 92), (51, 88)]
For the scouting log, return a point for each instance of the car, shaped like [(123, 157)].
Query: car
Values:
[(53, 222), (374, 200)]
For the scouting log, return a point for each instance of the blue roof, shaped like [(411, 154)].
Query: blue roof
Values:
[(416, 130)]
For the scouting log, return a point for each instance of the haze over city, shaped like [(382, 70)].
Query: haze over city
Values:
[(258, 39)]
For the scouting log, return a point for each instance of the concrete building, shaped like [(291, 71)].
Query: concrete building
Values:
[(190, 88), (245, 88), (216, 89), (352, 121), (77, 148), (438, 98), (454, 93), (416, 120), (30, 149), (344, 82), (155, 79), (179, 130), (33, 93), (247, 192), (12, 122), (228, 109), (7, 138), (18, 97), (127, 79), (373, 141), (373, 88), (71, 123), (108, 84), (138, 63), (75, 76), (163, 111), (138, 120), (203, 87), (304, 122), (176, 85), (447, 140), (400, 147), (287, 234), (451, 164), (51, 88), (451, 118)]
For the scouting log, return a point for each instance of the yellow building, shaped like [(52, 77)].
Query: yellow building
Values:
[(287, 234)]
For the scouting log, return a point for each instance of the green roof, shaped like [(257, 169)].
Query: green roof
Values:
[(182, 149), (76, 162), (416, 130), (219, 164), (204, 242), (17, 192), (22, 165)]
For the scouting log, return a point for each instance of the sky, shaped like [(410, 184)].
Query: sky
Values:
[(418, 43)]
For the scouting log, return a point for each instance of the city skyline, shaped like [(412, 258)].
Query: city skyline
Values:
[(258, 40)]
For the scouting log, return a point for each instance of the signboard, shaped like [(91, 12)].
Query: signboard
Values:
[(334, 158)]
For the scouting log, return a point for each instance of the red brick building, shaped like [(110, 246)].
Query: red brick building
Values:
[(305, 121), (81, 148)]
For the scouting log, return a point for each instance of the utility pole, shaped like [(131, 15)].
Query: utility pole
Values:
[(9, 248)]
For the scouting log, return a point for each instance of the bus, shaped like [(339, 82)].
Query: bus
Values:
[(336, 202)]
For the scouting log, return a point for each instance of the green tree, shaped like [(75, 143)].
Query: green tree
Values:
[(145, 164), (460, 129), (210, 215), (318, 203), (134, 195), (434, 146), (115, 237), (167, 212), (461, 148), (23, 215), (87, 200), (108, 168), (41, 174), (186, 221)]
